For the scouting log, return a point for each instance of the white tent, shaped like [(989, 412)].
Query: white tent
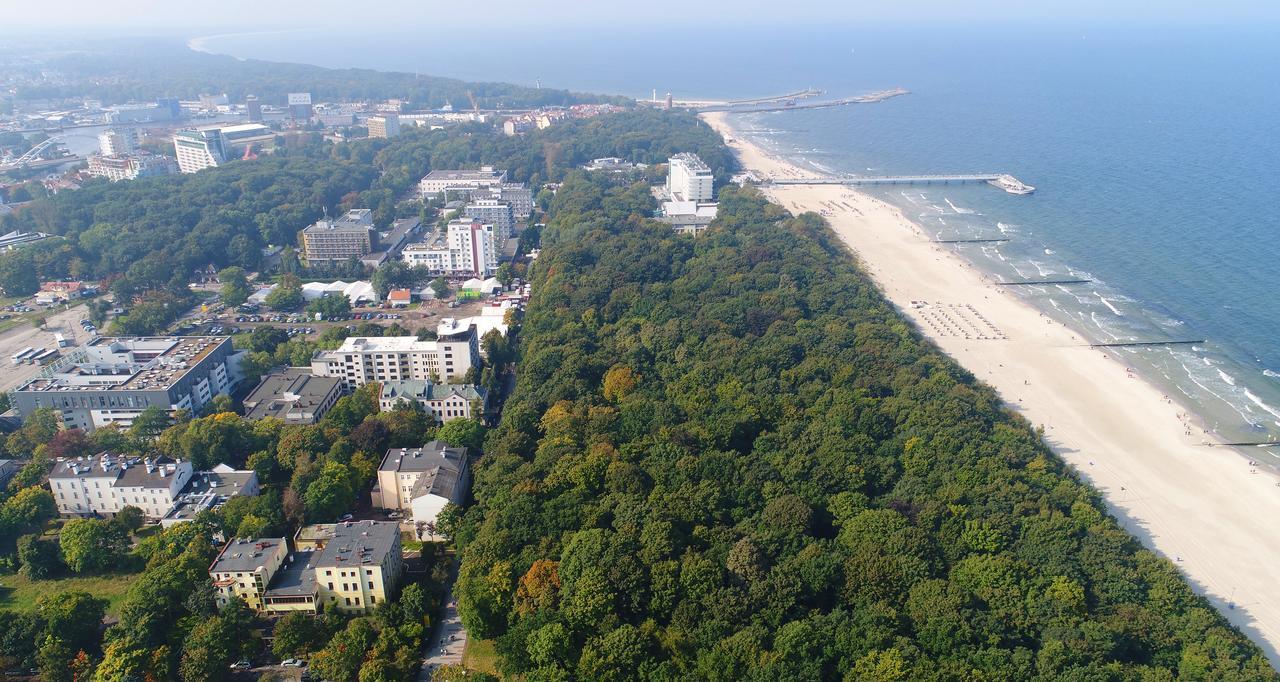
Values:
[(356, 292)]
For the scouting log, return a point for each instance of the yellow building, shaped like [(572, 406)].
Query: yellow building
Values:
[(245, 568), (358, 564)]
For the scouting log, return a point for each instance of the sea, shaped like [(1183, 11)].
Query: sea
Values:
[(1155, 151)]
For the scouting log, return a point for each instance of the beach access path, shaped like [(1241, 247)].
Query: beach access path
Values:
[(1203, 507)]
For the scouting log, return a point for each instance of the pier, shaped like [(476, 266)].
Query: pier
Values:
[(784, 104), (1261, 444), (1002, 181), (969, 241), (1033, 282), (1132, 344)]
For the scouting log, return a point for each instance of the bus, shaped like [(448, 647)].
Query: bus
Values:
[(44, 357), (21, 356)]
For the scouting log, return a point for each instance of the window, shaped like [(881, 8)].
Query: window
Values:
[(330, 586), (371, 584), (373, 599)]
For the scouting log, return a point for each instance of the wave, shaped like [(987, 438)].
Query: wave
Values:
[(1227, 378), (1269, 373), (1108, 304), (957, 209), (1048, 252), (1258, 401)]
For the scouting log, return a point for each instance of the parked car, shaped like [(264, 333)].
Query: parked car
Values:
[(241, 665), (293, 663)]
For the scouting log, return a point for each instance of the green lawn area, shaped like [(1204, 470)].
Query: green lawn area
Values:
[(480, 655), (19, 593)]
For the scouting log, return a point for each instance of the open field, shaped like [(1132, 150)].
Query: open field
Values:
[(19, 593)]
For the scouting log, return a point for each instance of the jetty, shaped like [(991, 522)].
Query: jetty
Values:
[(793, 103), (1133, 344), (1002, 181), (970, 241)]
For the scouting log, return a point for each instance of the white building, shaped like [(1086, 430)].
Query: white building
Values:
[(475, 247), (199, 149), (441, 402), (689, 179), (449, 181), (130, 167), (688, 217), (118, 141), (396, 358), (422, 480), (384, 126), (493, 212), (106, 483)]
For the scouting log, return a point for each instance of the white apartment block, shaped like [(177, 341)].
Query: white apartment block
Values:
[(118, 141), (199, 149), (495, 212), (450, 181), (107, 483), (475, 246), (689, 179), (396, 358)]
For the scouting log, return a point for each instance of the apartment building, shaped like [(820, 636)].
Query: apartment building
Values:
[(394, 358), (293, 395), (422, 480), (493, 212), (340, 239), (384, 125), (111, 380), (449, 182), (245, 567), (689, 179)]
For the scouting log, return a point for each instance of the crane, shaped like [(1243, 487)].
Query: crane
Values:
[(474, 105)]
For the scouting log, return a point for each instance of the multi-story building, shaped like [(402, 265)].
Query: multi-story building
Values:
[(106, 483), (118, 141), (253, 108), (422, 480), (689, 179), (300, 106), (441, 402), (293, 395), (245, 568), (199, 149), (239, 138), (209, 490), (432, 254), (112, 380), (384, 125), (350, 236), (394, 358), (493, 212), (516, 194), (360, 566), (474, 246), (131, 167), (453, 181)]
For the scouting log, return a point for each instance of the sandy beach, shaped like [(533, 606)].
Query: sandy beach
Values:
[(1203, 507)]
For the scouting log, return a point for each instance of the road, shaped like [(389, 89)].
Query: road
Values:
[(13, 340), (449, 643)]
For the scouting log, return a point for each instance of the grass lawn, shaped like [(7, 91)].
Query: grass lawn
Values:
[(19, 593), (481, 655)]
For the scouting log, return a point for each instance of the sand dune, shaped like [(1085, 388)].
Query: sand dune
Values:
[(1201, 506)]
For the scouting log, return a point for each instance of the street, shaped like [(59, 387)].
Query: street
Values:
[(449, 642)]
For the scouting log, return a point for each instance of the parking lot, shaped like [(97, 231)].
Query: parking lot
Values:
[(425, 315), (66, 322)]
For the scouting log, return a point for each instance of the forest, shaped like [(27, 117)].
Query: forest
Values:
[(728, 458), (145, 69)]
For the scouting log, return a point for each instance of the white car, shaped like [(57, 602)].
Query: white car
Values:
[(293, 663)]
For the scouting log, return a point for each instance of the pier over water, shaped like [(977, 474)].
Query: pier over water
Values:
[(1002, 181)]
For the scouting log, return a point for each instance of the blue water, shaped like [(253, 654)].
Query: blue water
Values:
[(1155, 152)]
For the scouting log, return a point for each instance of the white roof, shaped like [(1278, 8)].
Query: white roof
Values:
[(483, 324), (355, 291), (675, 208), (472, 283)]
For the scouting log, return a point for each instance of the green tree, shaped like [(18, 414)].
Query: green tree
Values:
[(441, 288), (330, 306), (287, 295), (149, 423), (18, 274), (462, 432), (40, 558), (341, 659), (235, 286), (92, 545), (130, 518), (330, 495), (297, 634)]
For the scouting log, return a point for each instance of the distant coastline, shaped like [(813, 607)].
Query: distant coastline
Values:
[(201, 43)]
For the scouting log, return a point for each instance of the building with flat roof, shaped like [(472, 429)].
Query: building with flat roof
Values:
[(245, 567), (253, 108), (130, 167), (106, 483), (393, 358), (209, 490), (237, 138), (293, 395), (199, 149), (422, 480), (689, 179), (300, 106), (442, 402), (339, 239), (516, 194), (493, 212), (384, 125), (448, 181), (688, 217), (111, 380), (12, 240)]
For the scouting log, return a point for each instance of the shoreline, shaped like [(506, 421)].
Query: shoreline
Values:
[(198, 43), (1204, 508)]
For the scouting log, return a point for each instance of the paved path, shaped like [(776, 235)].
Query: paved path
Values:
[(449, 642)]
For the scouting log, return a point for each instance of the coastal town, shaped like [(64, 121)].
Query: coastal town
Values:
[(364, 376)]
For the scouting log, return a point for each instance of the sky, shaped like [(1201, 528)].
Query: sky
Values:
[(227, 15)]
